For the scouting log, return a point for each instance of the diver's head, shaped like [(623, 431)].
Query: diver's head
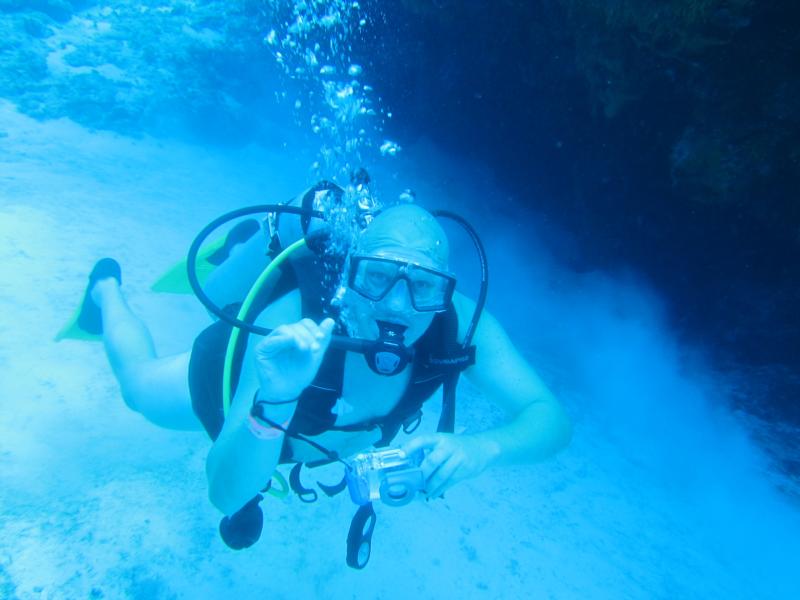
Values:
[(398, 273)]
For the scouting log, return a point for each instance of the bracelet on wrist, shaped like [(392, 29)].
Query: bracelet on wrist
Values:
[(262, 426), (265, 432)]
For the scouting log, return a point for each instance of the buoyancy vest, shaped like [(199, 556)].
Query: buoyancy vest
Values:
[(315, 410)]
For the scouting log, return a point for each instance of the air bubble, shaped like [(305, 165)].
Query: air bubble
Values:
[(311, 59), (407, 196), (389, 148), (330, 20), (316, 45)]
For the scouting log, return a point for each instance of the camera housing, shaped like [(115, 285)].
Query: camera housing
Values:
[(387, 475)]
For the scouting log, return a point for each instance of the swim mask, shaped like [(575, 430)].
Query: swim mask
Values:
[(431, 290)]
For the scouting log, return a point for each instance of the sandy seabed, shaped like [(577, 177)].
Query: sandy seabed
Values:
[(97, 503)]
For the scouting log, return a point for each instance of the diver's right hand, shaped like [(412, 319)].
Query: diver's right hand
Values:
[(287, 360)]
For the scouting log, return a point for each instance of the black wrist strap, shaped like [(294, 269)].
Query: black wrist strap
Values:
[(257, 411), (271, 402)]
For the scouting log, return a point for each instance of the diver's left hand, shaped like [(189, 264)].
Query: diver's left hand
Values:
[(450, 458)]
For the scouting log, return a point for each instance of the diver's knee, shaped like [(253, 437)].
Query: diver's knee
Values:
[(134, 383), (132, 398)]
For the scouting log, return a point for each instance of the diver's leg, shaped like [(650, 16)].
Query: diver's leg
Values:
[(158, 388), (233, 278)]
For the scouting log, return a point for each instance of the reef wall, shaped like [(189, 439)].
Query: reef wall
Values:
[(664, 135)]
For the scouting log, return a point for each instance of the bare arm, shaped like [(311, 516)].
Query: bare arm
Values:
[(239, 464), (538, 426), (278, 367)]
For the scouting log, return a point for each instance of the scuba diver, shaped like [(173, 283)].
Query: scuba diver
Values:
[(331, 353)]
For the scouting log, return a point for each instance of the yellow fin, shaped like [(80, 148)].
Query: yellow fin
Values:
[(175, 280), (73, 331)]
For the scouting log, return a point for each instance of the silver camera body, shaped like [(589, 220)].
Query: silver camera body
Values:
[(387, 475)]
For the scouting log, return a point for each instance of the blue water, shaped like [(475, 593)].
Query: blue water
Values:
[(664, 491)]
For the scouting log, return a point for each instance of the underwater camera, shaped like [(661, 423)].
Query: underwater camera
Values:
[(388, 475)]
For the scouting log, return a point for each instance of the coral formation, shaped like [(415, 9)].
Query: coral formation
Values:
[(133, 66)]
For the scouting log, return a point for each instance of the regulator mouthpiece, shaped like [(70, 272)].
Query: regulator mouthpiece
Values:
[(388, 355)]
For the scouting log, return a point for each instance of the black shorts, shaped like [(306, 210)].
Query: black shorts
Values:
[(206, 365)]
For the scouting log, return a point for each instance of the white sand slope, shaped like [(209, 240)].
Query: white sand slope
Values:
[(97, 503)]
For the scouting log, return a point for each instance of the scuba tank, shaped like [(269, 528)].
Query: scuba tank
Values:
[(316, 265)]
